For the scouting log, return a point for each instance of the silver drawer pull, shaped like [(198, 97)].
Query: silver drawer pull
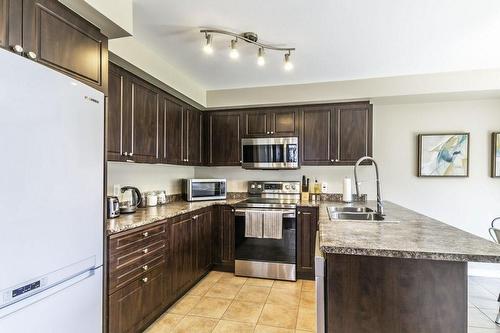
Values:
[(31, 55), (145, 234), (18, 48), (145, 251), (145, 280), (145, 267)]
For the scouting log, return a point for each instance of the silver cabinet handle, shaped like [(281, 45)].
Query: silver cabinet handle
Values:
[(145, 267), (268, 132), (130, 154), (145, 234), (145, 251), (145, 280), (272, 132), (298, 213), (31, 55), (18, 48), (195, 217), (337, 160)]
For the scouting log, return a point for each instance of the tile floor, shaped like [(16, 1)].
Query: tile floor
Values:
[(222, 302)]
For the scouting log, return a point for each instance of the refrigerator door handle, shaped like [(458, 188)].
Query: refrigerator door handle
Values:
[(45, 293)]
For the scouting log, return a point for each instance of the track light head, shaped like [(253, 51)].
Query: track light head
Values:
[(234, 54), (261, 61), (288, 63), (208, 45)]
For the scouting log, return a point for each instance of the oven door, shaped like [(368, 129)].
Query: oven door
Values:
[(270, 153), (265, 257), (206, 189)]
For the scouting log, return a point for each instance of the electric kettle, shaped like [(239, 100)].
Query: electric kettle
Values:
[(130, 206), (495, 230)]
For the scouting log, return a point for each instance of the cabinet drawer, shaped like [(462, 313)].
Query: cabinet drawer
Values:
[(131, 259), (136, 239), (128, 273)]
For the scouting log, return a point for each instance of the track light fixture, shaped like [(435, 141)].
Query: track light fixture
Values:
[(251, 38)]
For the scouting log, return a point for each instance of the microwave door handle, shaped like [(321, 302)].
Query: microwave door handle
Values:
[(285, 152)]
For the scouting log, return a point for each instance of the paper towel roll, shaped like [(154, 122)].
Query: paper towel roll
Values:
[(347, 193)]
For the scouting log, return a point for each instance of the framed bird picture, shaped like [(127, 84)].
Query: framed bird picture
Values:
[(443, 155), (495, 155)]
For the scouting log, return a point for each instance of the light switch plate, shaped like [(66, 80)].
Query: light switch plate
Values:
[(324, 187)]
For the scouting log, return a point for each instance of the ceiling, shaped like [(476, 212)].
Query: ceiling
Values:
[(335, 39)]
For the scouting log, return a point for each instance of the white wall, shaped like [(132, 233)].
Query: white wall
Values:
[(148, 177)]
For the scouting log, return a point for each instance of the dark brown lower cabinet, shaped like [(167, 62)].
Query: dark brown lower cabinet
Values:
[(135, 305), (182, 253), (224, 242), (393, 295), (307, 225), (204, 258)]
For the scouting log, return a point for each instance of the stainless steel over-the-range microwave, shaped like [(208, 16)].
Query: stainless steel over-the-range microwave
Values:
[(270, 153), (203, 189)]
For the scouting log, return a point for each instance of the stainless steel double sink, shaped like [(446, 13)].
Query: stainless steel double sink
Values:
[(354, 214)]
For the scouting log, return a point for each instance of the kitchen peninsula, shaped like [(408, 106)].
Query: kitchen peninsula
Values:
[(405, 276)]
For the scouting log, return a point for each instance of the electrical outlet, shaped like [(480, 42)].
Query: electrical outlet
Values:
[(116, 190), (324, 187)]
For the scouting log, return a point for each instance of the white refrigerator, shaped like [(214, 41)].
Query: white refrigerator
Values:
[(51, 200)]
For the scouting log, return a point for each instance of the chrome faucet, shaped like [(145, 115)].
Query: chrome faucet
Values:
[(380, 206)]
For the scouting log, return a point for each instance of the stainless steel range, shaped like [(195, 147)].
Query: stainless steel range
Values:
[(266, 230)]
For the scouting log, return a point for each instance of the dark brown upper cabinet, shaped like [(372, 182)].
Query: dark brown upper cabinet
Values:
[(192, 136), (55, 36), (353, 132), (115, 112), (11, 23), (316, 135), (144, 135), (223, 137), (173, 111), (336, 134), (274, 122)]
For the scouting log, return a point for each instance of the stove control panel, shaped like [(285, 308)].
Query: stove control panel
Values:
[(258, 187)]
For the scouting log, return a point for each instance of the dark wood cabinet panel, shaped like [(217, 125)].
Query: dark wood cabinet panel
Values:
[(115, 107), (227, 236), (145, 122), (256, 123), (316, 132), (203, 222), (181, 253), (133, 306), (285, 122), (66, 42), (224, 134), (11, 21), (353, 131), (193, 136), (173, 124), (307, 222)]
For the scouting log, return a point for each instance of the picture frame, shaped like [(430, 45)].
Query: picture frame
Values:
[(443, 155), (495, 155)]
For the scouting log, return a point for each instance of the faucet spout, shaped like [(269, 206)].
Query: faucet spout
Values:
[(380, 206)]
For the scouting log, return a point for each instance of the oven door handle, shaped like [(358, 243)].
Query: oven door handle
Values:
[(288, 213)]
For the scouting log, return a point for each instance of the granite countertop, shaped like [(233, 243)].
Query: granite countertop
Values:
[(415, 236), (149, 215)]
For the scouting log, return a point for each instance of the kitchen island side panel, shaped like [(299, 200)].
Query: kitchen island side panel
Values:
[(377, 294)]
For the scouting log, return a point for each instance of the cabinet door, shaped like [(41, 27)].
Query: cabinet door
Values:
[(61, 39), (224, 136), (203, 224), (181, 253), (307, 219), (11, 21), (145, 122), (153, 295), (257, 123), (353, 133), (227, 236), (115, 109), (285, 122), (192, 141), (173, 124), (316, 137), (124, 314)]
